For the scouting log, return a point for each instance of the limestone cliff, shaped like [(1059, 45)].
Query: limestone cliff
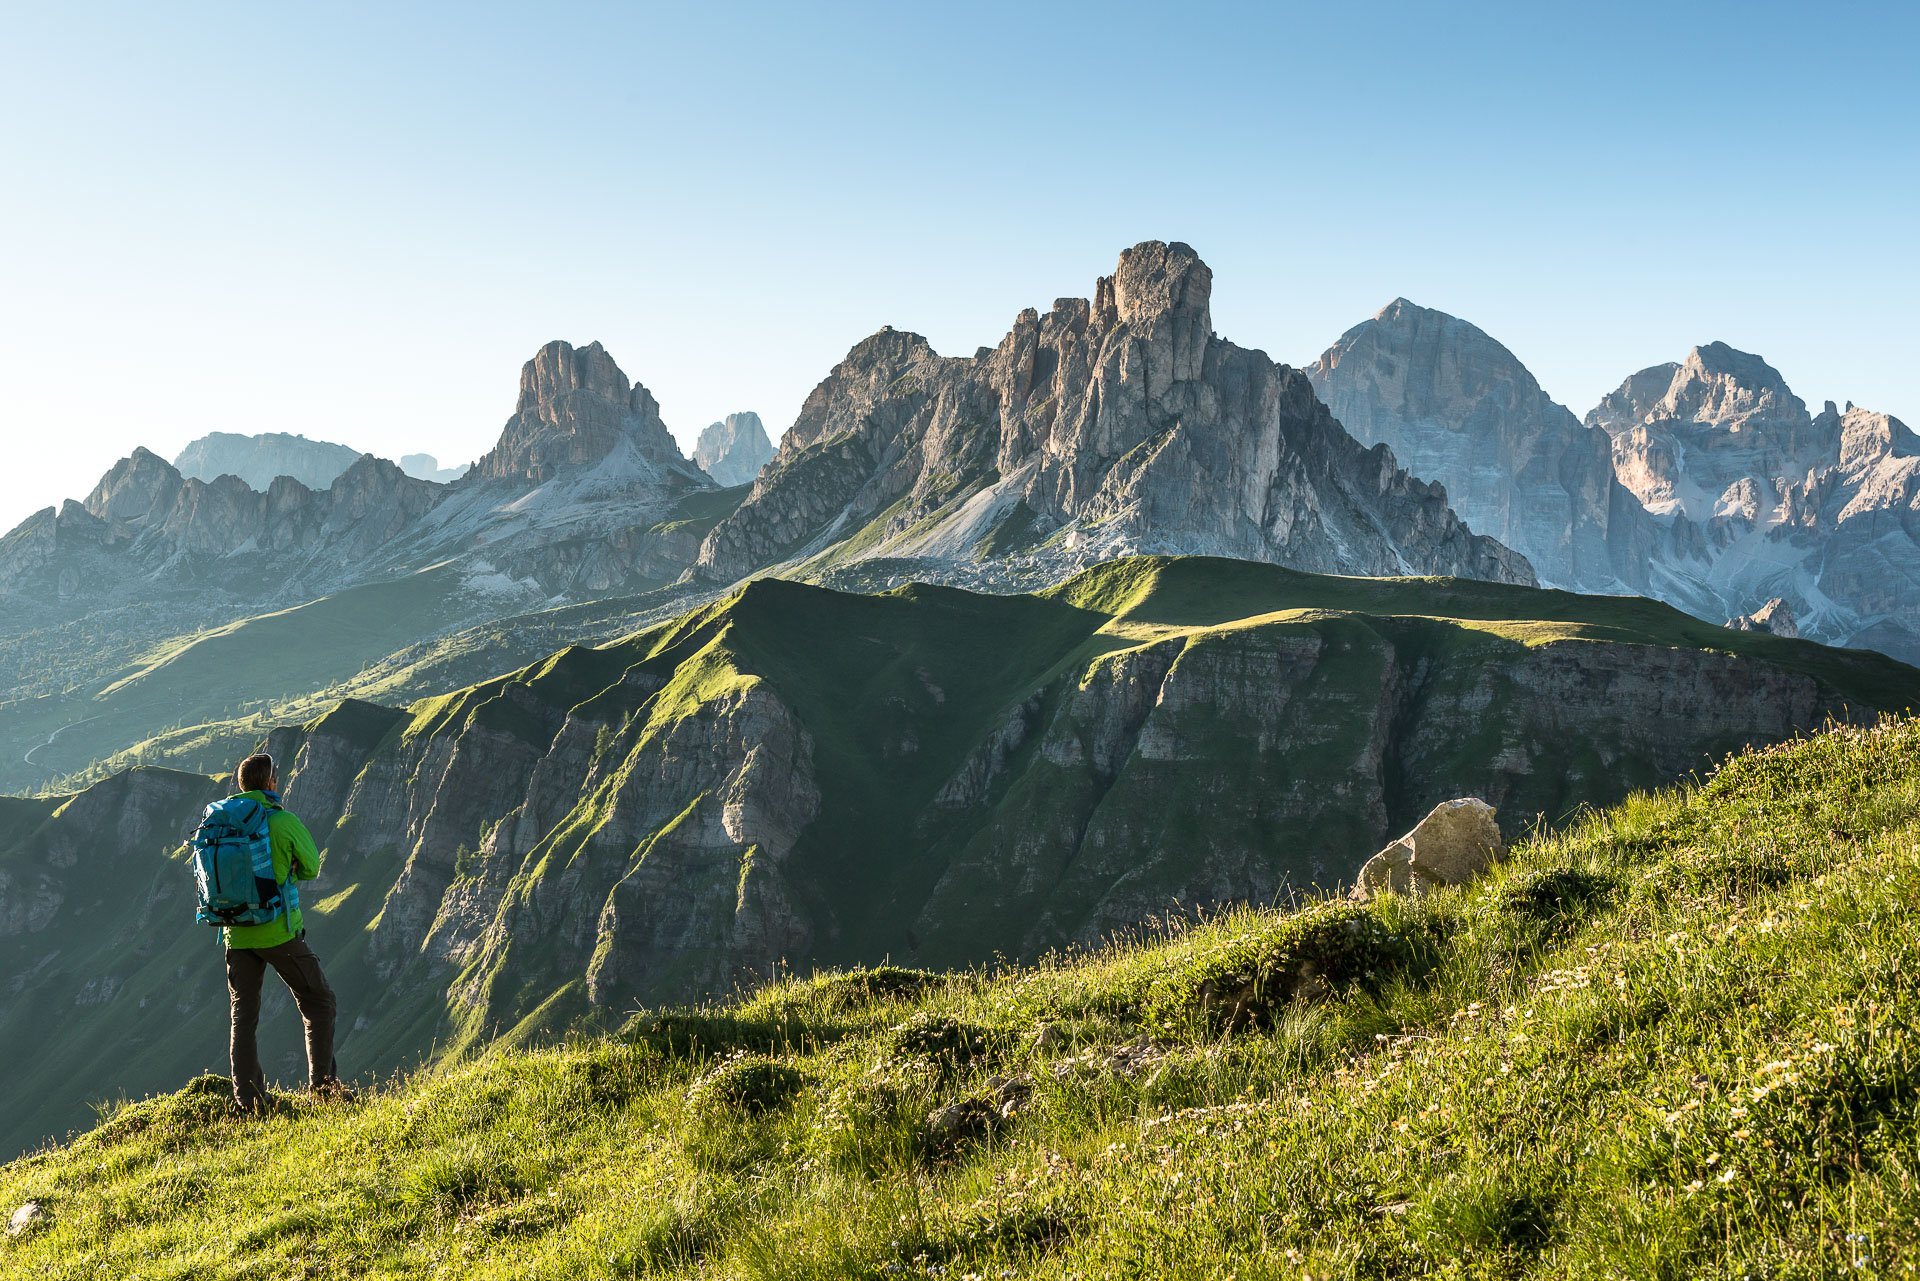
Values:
[(734, 450), (259, 459), (1104, 427), (1705, 483), (1458, 408)]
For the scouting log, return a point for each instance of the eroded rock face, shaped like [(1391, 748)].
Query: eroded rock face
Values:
[(1774, 617), (1104, 427), (1458, 408), (1724, 490), (259, 459), (577, 408), (733, 451), (1723, 436), (1453, 844)]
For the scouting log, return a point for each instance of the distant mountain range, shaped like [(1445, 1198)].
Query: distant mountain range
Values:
[(1705, 483), (734, 450), (1107, 426), (261, 459), (695, 768)]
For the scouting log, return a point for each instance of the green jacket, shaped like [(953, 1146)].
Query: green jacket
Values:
[(295, 857)]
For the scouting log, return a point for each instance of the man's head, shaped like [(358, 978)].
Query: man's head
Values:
[(256, 774)]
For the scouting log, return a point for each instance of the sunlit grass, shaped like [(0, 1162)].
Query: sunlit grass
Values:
[(1677, 1039)]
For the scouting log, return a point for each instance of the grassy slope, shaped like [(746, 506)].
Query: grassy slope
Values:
[(127, 937), (860, 669), (1678, 1040), (192, 700), (850, 665)]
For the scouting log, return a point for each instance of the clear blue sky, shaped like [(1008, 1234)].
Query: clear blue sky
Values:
[(356, 222)]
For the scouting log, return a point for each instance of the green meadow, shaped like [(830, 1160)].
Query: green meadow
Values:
[(1676, 1038)]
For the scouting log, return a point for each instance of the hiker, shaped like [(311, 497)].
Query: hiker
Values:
[(249, 855)]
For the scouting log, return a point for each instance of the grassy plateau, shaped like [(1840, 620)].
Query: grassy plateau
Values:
[(1677, 1038)]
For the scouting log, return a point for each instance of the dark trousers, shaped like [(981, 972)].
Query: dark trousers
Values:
[(299, 969)]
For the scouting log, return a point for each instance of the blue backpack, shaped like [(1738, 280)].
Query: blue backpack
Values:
[(233, 866)]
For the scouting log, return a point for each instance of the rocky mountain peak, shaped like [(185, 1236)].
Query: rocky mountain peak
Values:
[(1457, 407), (1867, 437), (1446, 358), (733, 450), (1775, 617), (1155, 279), (577, 408), (258, 459), (1632, 403), (1715, 386), (560, 368), (1096, 429), (138, 486), (1720, 385)]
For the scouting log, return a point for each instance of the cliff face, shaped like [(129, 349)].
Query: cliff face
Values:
[(796, 776), (1104, 427), (1759, 499), (733, 451), (1705, 483), (1458, 408), (259, 460)]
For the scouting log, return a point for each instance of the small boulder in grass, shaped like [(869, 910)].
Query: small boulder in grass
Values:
[(29, 1218), (1456, 842)]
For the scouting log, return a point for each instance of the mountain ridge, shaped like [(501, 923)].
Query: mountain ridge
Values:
[(803, 776)]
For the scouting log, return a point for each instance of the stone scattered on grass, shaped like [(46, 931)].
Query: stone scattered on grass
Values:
[(1454, 843), (29, 1218), (1140, 1055)]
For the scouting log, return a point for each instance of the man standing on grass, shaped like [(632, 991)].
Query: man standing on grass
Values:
[(282, 944)]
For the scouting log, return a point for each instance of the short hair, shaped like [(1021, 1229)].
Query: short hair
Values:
[(255, 772)]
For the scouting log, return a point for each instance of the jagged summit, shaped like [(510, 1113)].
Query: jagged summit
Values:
[(1154, 279), (733, 450), (1105, 426), (1457, 407), (1716, 385), (577, 407)]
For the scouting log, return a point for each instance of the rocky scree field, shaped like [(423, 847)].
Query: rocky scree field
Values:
[(1677, 1039)]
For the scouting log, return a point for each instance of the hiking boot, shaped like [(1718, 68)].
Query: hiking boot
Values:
[(333, 1091)]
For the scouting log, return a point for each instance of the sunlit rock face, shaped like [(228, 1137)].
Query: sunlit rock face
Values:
[(734, 450), (1458, 408), (1109, 425), (1703, 482)]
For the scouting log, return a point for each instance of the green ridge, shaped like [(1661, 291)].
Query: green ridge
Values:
[(1679, 1039)]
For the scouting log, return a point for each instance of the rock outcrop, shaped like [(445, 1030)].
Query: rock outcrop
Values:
[(1458, 408), (258, 460), (1453, 844), (1107, 426), (1759, 499), (577, 409), (734, 450), (1775, 618), (1723, 436)]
